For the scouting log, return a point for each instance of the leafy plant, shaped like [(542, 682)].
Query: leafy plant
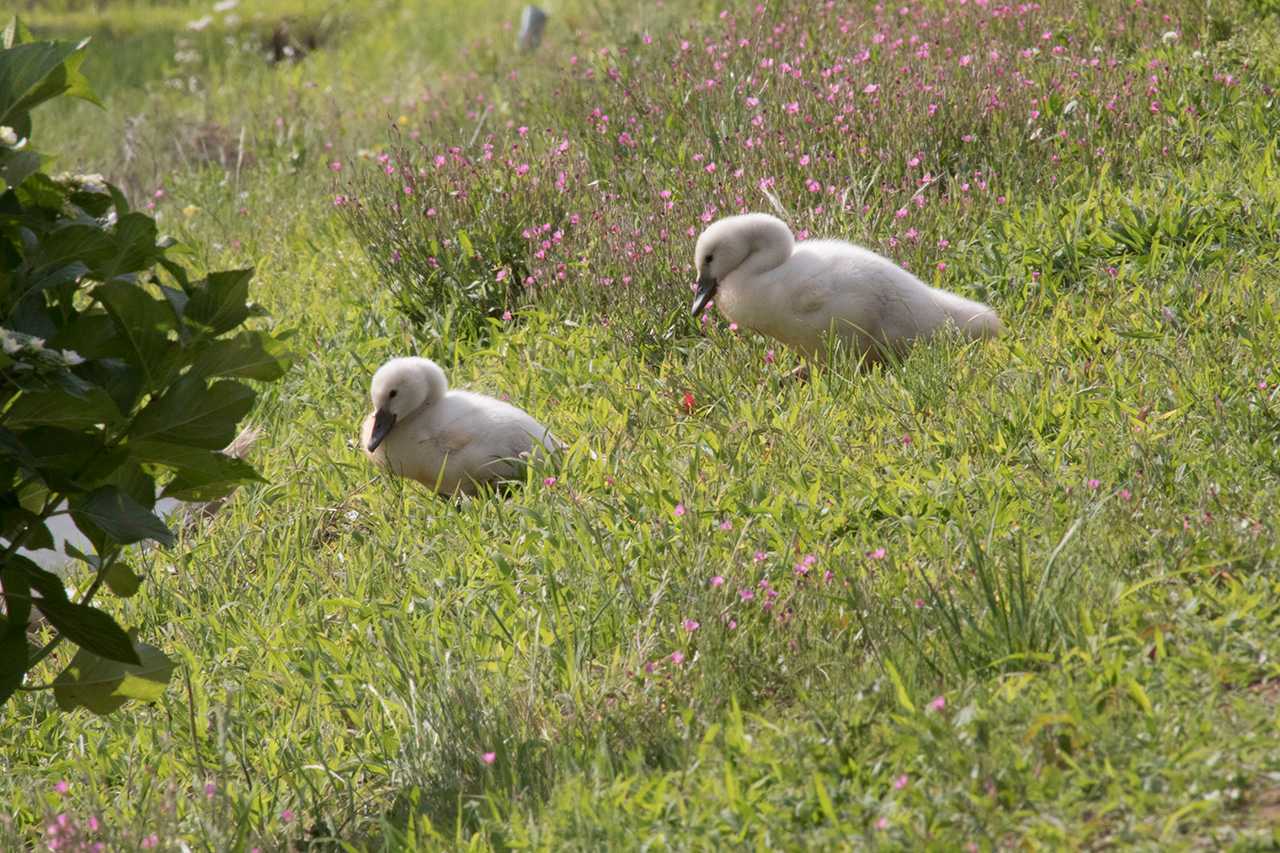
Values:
[(117, 371)]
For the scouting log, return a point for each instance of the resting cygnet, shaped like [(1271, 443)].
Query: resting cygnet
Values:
[(451, 441), (799, 293)]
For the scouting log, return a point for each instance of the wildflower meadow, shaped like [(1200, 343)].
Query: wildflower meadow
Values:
[(1021, 593)]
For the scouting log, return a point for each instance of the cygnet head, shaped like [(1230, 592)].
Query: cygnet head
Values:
[(756, 241), (400, 388)]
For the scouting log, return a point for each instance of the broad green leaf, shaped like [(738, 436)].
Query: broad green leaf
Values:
[(17, 166), (57, 408), (13, 628), (62, 456), (190, 414), (142, 323), (122, 382), (80, 241), (201, 474), (92, 202), (121, 517), (14, 654), (11, 447), (118, 201), (17, 521), (220, 302), (134, 244), (17, 596), (121, 579), (39, 190), (128, 475), (180, 276), (47, 278), (103, 685), (89, 628), (29, 73), (37, 71), (249, 355), (177, 300)]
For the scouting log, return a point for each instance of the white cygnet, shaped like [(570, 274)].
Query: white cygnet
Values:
[(451, 441), (800, 293)]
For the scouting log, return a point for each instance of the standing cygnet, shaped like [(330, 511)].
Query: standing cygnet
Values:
[(799, 293), (452, 441)]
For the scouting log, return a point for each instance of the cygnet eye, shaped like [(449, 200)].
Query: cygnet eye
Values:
[(392, 394), (708, 259)]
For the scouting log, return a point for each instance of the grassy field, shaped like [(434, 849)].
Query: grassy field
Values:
[(1020, 594)]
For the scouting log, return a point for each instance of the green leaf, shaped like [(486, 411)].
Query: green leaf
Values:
[(190, 414), (12, 448), (51, 278), (122, 382), (58, 408), (134, 247), (13, 660), (61, 456), (121, 579), (899, 688), (39, 190), (17, 166), (103, 685), (89, 628), (118, 515), (13, 628), (17, 598), (142, 323), (34, 72), (249, 355), (128, 475), (220, 302), (14, 520), (465, 242), (68, 242), (202, 474)]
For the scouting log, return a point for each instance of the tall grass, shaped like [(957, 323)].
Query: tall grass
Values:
[(585, 174), (1013, 593)]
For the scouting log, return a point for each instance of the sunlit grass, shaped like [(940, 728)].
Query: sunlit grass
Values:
[(1020, 592)]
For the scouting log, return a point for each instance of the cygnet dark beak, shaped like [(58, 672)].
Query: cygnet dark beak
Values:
[(383, 421), (706, 289)]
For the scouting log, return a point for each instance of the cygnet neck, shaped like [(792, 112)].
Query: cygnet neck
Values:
[(771, 243), (434, 384)]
